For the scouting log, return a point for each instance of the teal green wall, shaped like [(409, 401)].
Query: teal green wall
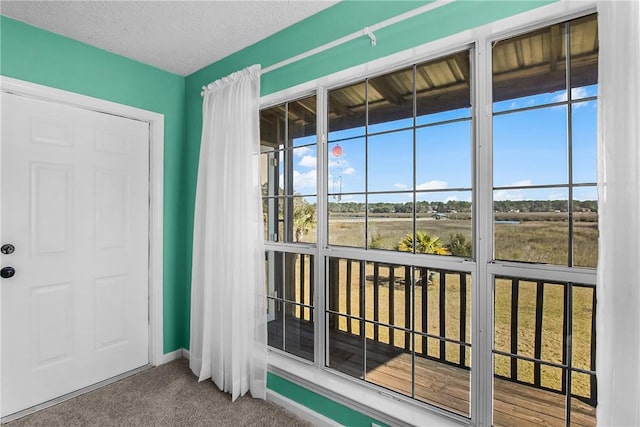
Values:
[(38, 56), (319, 403)]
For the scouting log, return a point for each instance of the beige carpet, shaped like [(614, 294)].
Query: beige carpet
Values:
[(167, 395)]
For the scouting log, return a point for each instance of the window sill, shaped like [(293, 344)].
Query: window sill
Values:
[(384, 406)]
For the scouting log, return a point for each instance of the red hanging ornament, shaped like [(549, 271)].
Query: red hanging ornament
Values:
[(336, 151)]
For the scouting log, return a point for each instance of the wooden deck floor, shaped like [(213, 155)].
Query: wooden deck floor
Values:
[(436, 383)]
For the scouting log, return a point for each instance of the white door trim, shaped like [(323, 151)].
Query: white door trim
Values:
[(156, 180)]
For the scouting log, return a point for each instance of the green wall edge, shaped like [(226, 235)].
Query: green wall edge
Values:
[(318, 403)]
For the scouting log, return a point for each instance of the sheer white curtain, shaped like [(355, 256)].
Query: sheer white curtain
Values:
[(618, 310), (228, 316)]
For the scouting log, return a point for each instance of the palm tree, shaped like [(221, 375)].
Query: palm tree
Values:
[(425, 244), (304, 217), (459, 245)]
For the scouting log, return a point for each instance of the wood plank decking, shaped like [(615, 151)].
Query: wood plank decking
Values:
[(437, 383)]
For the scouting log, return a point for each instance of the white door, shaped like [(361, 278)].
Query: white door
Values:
[(75, 205)]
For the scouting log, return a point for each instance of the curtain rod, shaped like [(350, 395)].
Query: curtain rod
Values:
[(366, 31)]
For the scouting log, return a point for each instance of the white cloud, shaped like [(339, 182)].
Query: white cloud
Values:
[(560, 97), (579, 92), (516, 194), (557, 196), (576, 93), (521, 103), (450, 199), (348, 171), (341, 167), (307, 161), (400, 186), (432, 185), (508, 195), (301, 151), (304, 180)]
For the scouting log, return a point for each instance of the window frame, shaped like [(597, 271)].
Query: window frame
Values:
[(289, 195), (417, 62), (483, 267), (488, 266), (570, 104), (430, 261)]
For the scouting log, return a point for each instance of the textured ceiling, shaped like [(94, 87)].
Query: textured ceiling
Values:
[(177, 36)]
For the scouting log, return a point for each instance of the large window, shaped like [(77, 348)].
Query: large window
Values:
[(400, 179), (546, 212), (544, 145), (424, 246)]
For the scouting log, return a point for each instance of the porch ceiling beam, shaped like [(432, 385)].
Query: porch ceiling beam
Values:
[(555, 40), (387, 91)]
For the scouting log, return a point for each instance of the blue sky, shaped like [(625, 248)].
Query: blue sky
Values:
[(530, 148)]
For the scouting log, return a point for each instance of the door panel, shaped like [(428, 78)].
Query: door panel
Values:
[(108, 311), (52, 324), (111, 199), (75, 205), (51, 203)]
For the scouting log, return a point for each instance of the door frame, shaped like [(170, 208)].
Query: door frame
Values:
[(156, 193)]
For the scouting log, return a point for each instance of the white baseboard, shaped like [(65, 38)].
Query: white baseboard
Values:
[(300, 410), (185, 353), (168, 357)]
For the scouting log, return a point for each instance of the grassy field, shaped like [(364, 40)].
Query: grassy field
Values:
[(535, 237), (530, 237)]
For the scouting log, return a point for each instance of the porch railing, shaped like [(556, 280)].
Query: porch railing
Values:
[(436, 287), (382, 294)]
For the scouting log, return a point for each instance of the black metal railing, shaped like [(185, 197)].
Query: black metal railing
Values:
[(434, 287), (567, 351), (380, 294), (399, 281)]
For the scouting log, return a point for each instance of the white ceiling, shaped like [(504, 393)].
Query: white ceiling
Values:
[(177, 36)]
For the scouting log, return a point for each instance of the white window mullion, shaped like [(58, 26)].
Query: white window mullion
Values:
[(482, 290), (320, 290)]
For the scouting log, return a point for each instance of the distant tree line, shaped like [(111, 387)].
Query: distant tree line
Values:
[(460, 206), (407, 207), (544, 205)]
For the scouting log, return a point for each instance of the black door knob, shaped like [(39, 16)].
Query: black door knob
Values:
[(7, 272), (7, 249)]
